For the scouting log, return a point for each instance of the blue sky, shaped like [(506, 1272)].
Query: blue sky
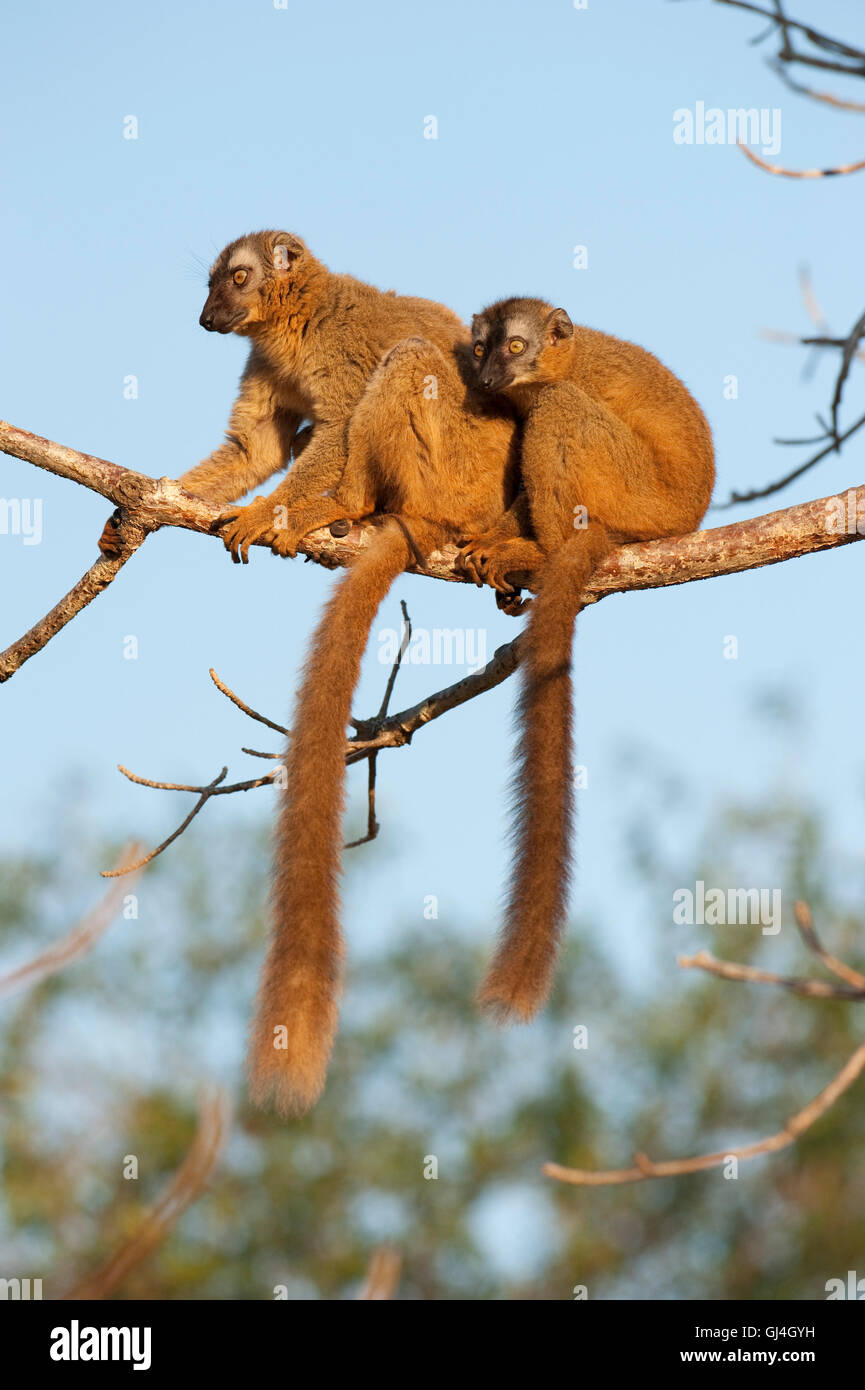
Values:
[(554, 129)]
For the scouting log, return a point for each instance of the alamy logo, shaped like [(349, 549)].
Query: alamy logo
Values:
[(713, 907), (853, 1288), (20, 1288), (737, 125), (76, 1343), (21, 516), (439, 646)]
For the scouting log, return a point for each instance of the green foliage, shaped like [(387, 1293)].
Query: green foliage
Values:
[(103, 1061)]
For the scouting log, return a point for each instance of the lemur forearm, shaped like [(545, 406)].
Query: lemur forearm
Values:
[(258, 442)]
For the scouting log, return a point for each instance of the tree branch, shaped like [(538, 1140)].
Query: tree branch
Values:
[(77, 941), (187, 1184), (156, 502), (644, 1167), (854, 989)]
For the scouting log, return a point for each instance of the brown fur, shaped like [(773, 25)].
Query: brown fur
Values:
[(400, 461), (402, 430), (609, 429), (397, 427)]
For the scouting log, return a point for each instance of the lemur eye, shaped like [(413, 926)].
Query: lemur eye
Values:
[(239, 276), (479, 349), (516, 345)]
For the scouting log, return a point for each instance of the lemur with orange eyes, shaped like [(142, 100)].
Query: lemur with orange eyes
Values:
[(614, 449), (399, 434), (405, 435)]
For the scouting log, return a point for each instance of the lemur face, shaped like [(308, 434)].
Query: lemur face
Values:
[(510, 340), (242, 277)]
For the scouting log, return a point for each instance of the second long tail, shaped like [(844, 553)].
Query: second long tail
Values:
[(521, 973)]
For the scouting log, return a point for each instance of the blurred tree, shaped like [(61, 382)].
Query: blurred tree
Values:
[(102, 1062)]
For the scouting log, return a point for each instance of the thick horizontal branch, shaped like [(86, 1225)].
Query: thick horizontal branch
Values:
[(156, 502)]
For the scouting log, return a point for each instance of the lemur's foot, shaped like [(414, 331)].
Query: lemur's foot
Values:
[(242, 528), (513, 604), (109, 542), (506, 565)]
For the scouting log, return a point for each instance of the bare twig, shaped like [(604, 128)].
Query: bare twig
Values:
[(253, 714), (213, 788), (97, 578), (185, 1187), (800, 173), (732, 970), (382, 1275), (808, 932), (645, 1168), (839, 56), (76, 942), (853, 989), (829, 98), (372, 825)]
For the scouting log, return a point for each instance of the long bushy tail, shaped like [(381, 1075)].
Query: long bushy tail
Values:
[(520, 976), (296, 1014)]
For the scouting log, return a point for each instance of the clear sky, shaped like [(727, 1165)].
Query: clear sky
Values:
[(555, 129)]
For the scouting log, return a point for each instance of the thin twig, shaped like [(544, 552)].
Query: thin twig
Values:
[(800, 173), (382, 1275), (828, 97), (205, 793), (89, 586), (757, 494), (247, 709), (187, 1184), (732, 970), (786, 27), (808, 932), (372, 825), (403, 648), (795, 1127), (77, 941)]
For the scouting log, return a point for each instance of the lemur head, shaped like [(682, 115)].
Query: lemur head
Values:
[(248, 277), (517, 341)]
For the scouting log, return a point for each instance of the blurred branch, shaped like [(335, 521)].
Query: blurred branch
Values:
[(382, 1275), (644, 1167), (833, 55), (854, 989), (831, 436), (76, 942), (188, 1183)]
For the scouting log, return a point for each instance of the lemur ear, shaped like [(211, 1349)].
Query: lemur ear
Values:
[(287, 248), (558, 325), (477, 325)]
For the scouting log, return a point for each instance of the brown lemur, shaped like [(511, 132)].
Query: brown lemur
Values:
[(614, 449), (400, 430)]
